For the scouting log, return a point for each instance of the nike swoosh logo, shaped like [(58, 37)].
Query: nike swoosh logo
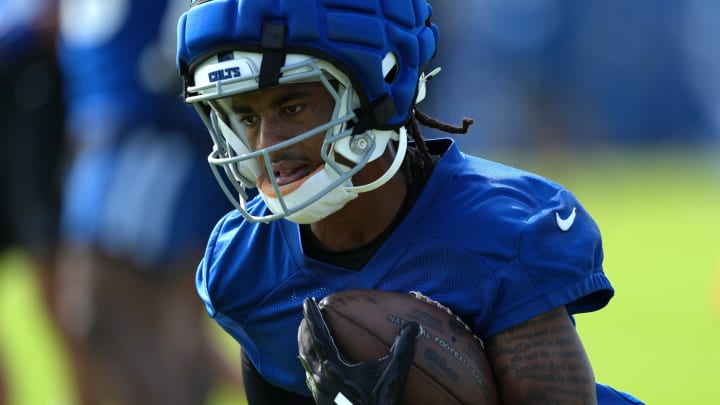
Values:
[(565, 223)]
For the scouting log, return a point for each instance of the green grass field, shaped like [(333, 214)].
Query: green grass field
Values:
[(659, 338), (33, 361)]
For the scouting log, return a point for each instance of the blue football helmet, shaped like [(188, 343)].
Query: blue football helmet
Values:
[(369, 55)]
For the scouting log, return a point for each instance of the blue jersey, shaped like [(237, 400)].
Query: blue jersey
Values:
[(497, 245), (117, 58)]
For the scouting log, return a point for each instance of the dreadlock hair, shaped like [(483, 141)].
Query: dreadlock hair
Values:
[(419, 156)]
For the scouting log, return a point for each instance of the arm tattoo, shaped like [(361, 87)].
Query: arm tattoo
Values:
[(542, 361)]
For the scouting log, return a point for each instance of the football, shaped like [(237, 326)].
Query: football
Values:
[(450, 365)]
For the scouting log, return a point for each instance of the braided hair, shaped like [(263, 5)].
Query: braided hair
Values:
[(419, 159)]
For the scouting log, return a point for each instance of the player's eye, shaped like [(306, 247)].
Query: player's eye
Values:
[(293, 109), (249, 120)]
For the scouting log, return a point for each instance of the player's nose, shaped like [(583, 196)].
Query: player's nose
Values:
[(272, 132)]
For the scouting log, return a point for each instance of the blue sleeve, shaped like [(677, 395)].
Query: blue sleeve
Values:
[(206, 284), (607, 395), (202, 276), (559, 262)]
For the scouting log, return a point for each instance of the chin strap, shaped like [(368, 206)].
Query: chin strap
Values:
[(394, 167)]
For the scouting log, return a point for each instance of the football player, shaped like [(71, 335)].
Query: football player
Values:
[(313, 103), (31, 141), (138, 205)]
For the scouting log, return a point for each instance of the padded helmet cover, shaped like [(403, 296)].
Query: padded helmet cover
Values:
[(353, 35)]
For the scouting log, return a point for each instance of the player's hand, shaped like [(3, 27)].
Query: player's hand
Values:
[(332, 379)]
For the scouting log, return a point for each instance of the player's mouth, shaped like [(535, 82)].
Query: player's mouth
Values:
[(289, 175), (289, 171)]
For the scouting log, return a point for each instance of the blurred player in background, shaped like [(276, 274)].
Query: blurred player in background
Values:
[(313, 103), (31, 136), (138, 204)]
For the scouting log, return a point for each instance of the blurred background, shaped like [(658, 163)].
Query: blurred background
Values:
[(620, 102), (617, 100)]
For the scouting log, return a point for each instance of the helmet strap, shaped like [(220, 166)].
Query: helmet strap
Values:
[(394, 167), (374, 115), (273, 50)]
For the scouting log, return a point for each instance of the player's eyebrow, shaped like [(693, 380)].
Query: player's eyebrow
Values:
[(238, 106)]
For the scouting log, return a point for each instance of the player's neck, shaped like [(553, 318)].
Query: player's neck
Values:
[(362, 219)]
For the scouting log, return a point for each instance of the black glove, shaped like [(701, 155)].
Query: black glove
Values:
[(330, 376)]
